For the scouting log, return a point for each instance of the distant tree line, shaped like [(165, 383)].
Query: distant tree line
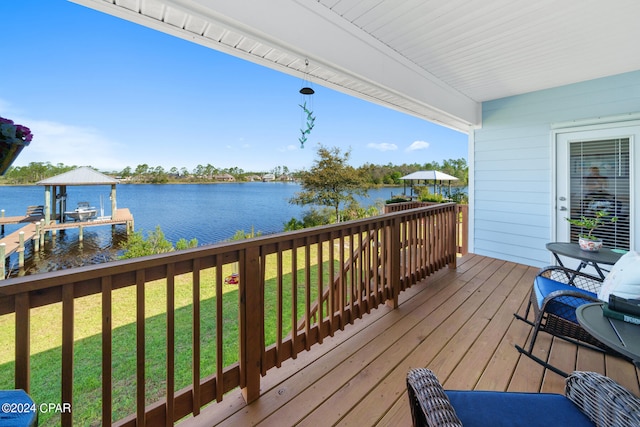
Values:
[(34, 172), (374, 175)]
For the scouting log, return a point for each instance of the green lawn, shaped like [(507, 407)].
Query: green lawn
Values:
[(46, 337)]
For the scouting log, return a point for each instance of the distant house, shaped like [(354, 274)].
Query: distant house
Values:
[(224, 177), (268, 177), (253, 178), (285, 178)]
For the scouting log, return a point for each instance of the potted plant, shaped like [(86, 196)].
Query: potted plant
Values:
[(589, 242), (13, 138)]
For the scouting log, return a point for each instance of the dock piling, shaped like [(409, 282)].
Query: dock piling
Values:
[(2, 258), (21, 250), (36, 239)]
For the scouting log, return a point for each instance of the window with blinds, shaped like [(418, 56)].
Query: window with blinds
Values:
[(599, 181)]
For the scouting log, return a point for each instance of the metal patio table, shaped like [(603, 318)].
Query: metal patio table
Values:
[(604, 256), (621, 336)]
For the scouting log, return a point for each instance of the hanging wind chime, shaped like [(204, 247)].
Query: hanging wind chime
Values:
[(308, 119)]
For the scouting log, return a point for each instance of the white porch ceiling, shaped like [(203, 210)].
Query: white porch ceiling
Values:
[(435, 59)]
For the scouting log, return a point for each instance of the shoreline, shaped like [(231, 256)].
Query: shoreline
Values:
[(201, 182)]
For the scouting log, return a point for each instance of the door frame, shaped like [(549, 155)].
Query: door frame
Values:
[(614, 127)]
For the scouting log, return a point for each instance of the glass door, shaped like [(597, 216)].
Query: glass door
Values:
[(599, 183), (594, 173)]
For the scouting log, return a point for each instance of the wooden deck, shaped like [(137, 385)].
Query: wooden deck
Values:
[(458, 323), (122, 216), (12, 241)]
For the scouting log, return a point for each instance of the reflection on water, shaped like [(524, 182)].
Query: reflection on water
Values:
[(63, 251), (210, 213)]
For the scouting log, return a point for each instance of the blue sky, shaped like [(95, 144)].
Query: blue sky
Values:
[(97, 90)]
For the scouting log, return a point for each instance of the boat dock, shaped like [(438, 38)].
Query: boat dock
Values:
[(34, 230)]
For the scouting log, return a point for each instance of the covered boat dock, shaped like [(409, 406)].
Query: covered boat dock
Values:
[(51, 216), (55, 190), (436, 178)]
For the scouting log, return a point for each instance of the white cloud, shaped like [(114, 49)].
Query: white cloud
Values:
[(418, 145), (383, 146), (290, 147), (71, 145)]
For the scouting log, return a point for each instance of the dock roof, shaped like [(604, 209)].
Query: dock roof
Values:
[(429, 176), (80, 176)]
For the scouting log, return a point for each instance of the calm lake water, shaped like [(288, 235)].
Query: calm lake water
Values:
[(210, 213)]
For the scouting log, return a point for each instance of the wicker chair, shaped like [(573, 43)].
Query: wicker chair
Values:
[(555, 295), (590, 399)]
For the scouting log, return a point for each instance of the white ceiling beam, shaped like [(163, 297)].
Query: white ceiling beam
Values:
[(307, 29)]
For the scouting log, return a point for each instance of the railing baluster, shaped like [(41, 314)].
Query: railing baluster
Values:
[(384, 261), (67, 351), (342, 285), (375, 265), (371, 267), (352, 284), (219, 331), (294, 299), (171, 347), (408, 271), (23, 340), (196, 336), (395, 249), (360, 275), (331, 306), (431, 246), (107, 346), (319, 262), (307, 294), (280, 303), (140, 349)]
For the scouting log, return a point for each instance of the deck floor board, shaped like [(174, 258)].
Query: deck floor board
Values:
[(458, 322)]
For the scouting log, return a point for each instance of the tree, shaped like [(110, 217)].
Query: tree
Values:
[(126, 172), (155, 243), (330, 181)]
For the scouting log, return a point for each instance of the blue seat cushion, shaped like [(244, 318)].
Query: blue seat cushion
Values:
[(25, 415), (563, 306), (498, 409)]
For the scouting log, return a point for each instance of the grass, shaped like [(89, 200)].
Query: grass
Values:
[(46, 338)]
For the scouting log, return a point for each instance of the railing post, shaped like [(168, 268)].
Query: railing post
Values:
[(251, 322), (394, 260), (67, 351), (465, 229), (107, 349), (452, 233)]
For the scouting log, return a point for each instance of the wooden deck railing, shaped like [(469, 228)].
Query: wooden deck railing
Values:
[(295, 289), (462, 218)]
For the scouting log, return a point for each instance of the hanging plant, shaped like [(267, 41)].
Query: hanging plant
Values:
[(13, 138), (310, 123)]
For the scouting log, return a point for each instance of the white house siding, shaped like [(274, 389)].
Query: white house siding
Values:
[(513, 162)]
